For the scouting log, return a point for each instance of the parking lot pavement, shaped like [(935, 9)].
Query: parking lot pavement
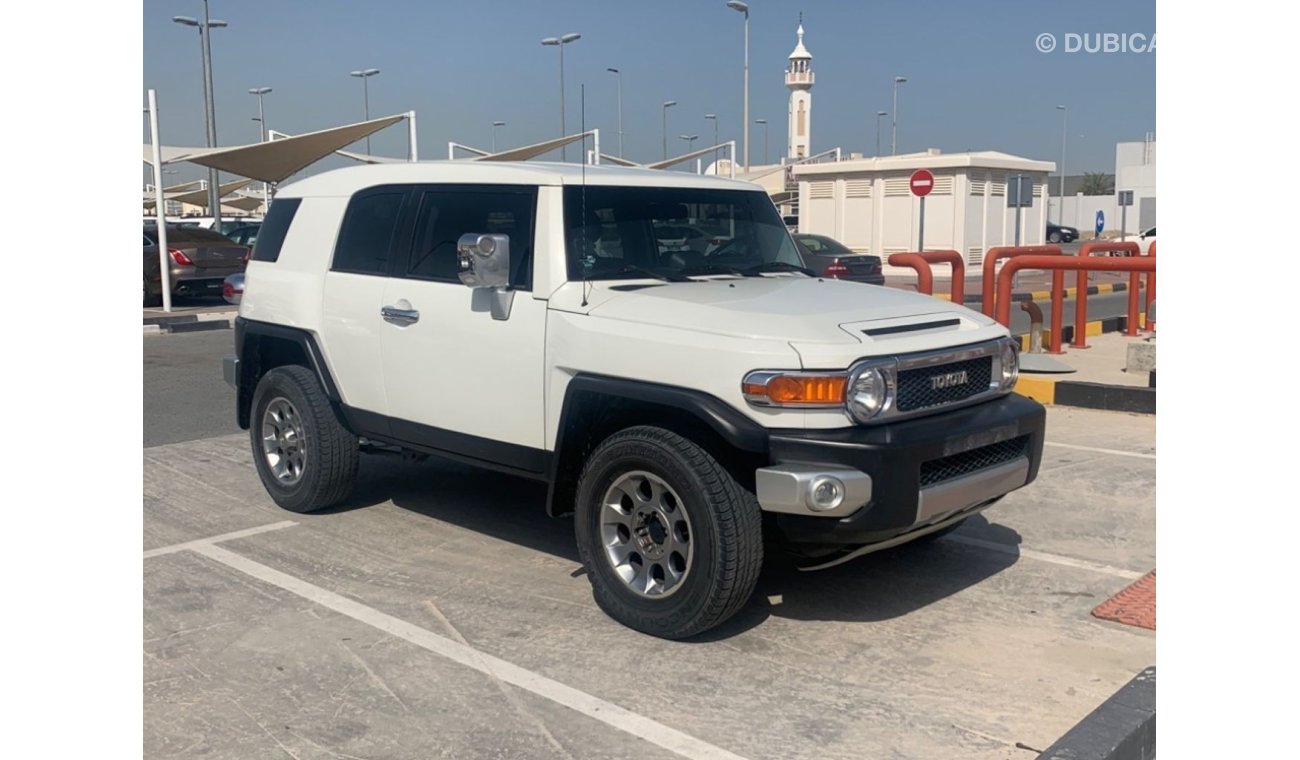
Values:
[(440, 613)]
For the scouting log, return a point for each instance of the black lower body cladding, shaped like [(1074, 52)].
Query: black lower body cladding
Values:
[(904, 457)]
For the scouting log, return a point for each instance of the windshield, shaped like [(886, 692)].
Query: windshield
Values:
[(628, 232)]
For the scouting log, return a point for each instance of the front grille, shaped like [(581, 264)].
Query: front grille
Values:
[(916, 388), (947, 468)]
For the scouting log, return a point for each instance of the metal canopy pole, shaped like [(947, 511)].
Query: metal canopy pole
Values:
[(160, 203), (414, 146)]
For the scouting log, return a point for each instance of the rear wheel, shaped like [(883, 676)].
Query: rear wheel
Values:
[(305, 457), (1055, 237), (671, 542)]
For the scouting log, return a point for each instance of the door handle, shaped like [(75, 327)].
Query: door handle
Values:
[(400, 316)]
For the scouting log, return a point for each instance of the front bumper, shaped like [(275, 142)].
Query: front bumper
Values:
[(921, 472)]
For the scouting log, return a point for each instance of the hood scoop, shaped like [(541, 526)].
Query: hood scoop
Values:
[(877, 332), (934, 323)]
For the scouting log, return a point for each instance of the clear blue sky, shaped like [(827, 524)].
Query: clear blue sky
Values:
[(976, 79)]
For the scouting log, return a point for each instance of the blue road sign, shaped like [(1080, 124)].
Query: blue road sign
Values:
[(1101, 221)]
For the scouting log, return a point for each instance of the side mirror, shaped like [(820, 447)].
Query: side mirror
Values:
[(484, 260)]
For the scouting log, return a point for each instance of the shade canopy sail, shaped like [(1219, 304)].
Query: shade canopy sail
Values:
[(200, 197), (242, 202), (370, 159), (531, 151), (687, 156), (276, 160)]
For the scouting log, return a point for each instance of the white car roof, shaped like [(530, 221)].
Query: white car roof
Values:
[(345, 182)]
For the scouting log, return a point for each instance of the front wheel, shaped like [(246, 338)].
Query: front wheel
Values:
[(672, 543)]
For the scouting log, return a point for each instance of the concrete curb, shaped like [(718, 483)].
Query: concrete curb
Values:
[(1121, 728), (163, 324), (1113, 398)]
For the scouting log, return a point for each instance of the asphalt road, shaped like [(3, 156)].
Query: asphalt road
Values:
[(439, 612), (185, 397)]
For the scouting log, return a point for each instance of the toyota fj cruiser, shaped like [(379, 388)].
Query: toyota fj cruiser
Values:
[(544, 320)]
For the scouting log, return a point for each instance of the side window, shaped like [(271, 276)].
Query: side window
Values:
[(367, 233), (446, 214), (274, 228)]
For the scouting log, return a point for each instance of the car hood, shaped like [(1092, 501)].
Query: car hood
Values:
[(794, 309)]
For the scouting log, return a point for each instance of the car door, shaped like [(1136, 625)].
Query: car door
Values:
[(458, 379), (353, 294)]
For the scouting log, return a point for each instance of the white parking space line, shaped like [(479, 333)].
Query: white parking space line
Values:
[(1055, 559), (593, 707), (1116, 452), (217, 539)]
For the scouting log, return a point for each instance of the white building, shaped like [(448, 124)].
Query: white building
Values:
[(866, 203), (1135, 169), (799, 78)]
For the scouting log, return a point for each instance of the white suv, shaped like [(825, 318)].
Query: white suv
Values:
[(683, 405)]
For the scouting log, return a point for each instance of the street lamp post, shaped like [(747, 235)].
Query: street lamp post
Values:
[(364, 75), (667, 104), (893, 140), (690, 144), (879, 114), (205, 28), (261, 115), (1060, 211), (496, 124), (560, 42), (737, 5), (714, 118), (619, 75), (764, 123)]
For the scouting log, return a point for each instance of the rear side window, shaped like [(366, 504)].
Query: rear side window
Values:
[(367, 233), (270, 237)]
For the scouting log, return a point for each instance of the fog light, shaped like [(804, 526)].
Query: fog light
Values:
[(827, 493)]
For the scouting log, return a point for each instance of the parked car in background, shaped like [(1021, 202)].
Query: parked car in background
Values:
[(1144, 239), (233, 288), (227, 225), (1060, 234), (245, 235), (828, 257), (199, 261)]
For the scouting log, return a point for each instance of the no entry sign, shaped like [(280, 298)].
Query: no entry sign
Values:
[(922, 182)]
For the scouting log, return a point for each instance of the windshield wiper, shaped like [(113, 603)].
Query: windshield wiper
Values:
[(778, 266), (635, 269), (716, 269)]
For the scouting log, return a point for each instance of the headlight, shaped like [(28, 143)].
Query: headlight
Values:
[(867, 393), (1010, 364)]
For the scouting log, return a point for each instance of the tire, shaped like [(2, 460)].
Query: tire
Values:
[(1055, 237), (316, 463), (666, 586)]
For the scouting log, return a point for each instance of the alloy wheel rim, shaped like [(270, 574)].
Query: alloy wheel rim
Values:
[(646, 533), (283, 441)]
